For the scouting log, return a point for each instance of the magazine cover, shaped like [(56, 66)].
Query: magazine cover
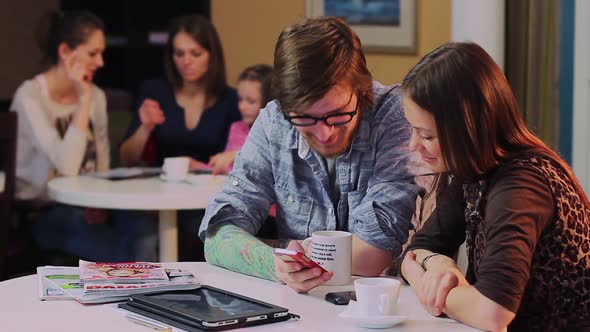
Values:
[(63, 283), (112, 291), (133, 272)]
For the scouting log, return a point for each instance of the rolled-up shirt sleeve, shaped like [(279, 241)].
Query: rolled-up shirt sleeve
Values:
[(247, 194)]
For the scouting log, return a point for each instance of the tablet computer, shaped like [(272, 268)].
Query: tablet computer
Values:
[(201, 171), (205, 308), (124, 173)]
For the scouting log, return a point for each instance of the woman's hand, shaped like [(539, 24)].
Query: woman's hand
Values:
[(197, 165), (76, 73), (222, 162), (150, 114), (433, 285), (296, 276)]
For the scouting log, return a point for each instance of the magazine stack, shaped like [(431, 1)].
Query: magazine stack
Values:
[(110, 282)]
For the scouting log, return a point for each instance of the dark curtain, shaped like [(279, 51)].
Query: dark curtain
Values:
[(533, 61)]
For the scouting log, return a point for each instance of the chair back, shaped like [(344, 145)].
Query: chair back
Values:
[(120, 112), (8, 132)]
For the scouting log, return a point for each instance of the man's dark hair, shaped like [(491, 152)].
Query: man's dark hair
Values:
[(314, 55)]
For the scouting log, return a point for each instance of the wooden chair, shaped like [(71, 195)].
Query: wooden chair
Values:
[(8, 132)]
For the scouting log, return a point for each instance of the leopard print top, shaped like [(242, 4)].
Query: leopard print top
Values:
[(557, 295)]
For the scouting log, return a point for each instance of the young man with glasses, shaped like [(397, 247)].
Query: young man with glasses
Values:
[(331, 151)]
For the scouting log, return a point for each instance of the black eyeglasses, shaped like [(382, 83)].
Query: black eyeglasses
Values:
[(336, 119)]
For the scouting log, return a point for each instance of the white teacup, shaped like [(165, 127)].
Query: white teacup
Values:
[(377, 296), (176, 169), (333, 251)]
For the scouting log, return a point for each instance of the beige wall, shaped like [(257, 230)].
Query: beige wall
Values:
[(249, 29), (20, 56)]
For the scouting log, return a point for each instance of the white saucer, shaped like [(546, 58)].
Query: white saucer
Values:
[(371, 322)]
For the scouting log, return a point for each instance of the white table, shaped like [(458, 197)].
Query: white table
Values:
[(21, 310), (140, 194)]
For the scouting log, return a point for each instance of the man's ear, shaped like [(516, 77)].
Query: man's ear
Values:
[(63, 51)]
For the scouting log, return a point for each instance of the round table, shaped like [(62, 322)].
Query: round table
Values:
[(141, 194), (21, 309)]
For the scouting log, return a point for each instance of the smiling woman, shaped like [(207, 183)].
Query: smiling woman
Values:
[(505, 193), (424, 135)]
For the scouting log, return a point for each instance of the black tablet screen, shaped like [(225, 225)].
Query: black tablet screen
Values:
[(208, 304)]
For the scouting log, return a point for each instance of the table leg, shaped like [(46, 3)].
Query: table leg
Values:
[(168, 232)]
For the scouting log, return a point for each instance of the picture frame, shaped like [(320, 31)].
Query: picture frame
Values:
[(384, 26)]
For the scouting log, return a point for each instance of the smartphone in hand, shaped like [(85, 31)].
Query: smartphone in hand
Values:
[(289, 255)]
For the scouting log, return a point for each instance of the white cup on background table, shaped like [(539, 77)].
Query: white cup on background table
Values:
[(176, 168)]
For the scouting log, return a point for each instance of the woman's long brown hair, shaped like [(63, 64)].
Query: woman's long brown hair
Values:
[(477, 117)]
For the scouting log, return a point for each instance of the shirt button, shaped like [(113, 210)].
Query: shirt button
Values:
[(330, 211), (290, 200), (235, 183)]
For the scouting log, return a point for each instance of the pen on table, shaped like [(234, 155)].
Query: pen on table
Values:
[(148, 323)]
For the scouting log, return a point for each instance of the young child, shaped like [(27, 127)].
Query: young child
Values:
[(253, 93)]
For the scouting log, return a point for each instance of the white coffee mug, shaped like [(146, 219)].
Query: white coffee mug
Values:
[(377, 296), (333, 251), (176, 169)]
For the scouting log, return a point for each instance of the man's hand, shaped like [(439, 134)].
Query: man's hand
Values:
[(296, 276), (197, 165)]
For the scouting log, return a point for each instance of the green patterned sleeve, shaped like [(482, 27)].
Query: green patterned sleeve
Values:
[(231, 247)]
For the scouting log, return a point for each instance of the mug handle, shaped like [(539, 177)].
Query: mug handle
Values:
[(306, 244)]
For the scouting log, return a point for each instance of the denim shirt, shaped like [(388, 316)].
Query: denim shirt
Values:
[(375, 177)]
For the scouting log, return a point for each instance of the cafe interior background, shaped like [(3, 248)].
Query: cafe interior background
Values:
[(543, 46)]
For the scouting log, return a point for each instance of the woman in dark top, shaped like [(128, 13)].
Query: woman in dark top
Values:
[(189, 113), (516, 203)]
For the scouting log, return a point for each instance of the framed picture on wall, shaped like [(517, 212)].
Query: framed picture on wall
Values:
[(384, 26)]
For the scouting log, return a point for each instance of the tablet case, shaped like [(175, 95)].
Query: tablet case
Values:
[(143, 305)]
